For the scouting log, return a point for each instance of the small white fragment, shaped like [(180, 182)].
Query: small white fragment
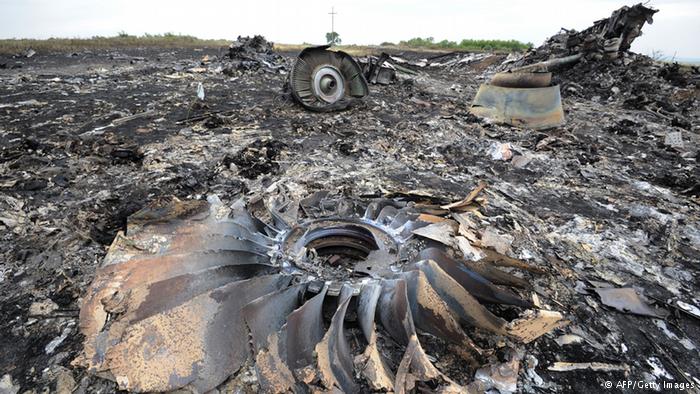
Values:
[(200, 91), (56, 342), (657, 368), (568, 339)]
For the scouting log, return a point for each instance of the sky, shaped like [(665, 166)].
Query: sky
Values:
[(675, 32)]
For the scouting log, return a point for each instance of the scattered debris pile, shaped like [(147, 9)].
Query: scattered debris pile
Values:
[(606, 39), (252, 53), (595, 64), (606, 204), (181, 292), (378, 70), (667, 90)]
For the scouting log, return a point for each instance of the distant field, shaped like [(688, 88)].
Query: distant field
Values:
[(168, 40), (468, 44), (13, 46)]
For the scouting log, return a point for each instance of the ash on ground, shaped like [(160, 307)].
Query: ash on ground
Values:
[(610, 199)]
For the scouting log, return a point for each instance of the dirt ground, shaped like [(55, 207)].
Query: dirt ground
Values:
[(602, 201)]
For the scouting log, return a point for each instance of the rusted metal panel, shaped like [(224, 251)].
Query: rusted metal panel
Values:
[(536, 108), (160, 353)]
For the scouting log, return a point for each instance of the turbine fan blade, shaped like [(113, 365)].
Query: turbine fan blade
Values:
[(374, 367), (474, 283), (333, 352), (323, 80)]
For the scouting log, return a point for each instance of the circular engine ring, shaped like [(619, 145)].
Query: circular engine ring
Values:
[(328, 84)]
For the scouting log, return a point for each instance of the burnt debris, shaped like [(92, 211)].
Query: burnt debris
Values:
[(602, 209), (189, 279), (253, 53), (524, 99), (606, 39), (324, 80)]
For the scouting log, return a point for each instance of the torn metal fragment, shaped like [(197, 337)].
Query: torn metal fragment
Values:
[(535, 108), (333, 352), (534, 324), (628, 300)]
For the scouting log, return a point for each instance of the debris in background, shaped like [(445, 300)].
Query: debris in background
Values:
[(42, 308), (253, 53), (7, 386), (568, 339), (689, 308), (606, 39), (628, 300), (378, 70), (200, 91), (674, 139), (500, 151), (324, 80)]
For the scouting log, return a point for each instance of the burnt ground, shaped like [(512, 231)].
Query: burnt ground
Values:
[(600, 199)]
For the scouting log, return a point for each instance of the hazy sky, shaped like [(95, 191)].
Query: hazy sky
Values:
[(676, 29)]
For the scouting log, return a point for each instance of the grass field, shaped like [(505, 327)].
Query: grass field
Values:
[(169, 40)]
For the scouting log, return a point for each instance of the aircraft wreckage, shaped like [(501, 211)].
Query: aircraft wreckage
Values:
[(195, 289)]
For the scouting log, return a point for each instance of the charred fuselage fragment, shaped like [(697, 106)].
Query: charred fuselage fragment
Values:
[(523, 99), (195, 290), (323, 80)]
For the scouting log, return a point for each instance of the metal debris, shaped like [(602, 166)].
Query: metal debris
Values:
[(519, 105), (606, 38), (252, 53), (195, 279), (324, 80), (628, 300)]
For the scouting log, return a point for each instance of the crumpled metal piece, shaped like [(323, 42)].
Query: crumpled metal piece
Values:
[(194, 290)]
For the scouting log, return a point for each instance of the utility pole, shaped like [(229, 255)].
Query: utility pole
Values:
[(333, 14)]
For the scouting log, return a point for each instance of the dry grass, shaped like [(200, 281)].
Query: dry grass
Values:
[(15, 46)]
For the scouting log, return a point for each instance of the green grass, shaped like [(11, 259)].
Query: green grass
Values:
[(468, 44), (123, 40)]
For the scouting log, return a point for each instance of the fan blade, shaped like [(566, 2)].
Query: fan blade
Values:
[(333, 352)]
